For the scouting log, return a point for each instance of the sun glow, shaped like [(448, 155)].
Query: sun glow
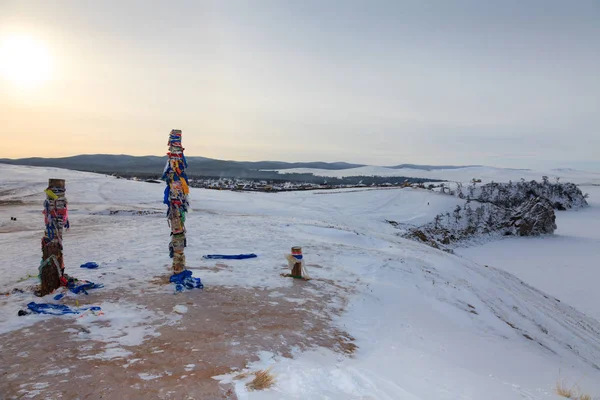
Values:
[(24, 61)]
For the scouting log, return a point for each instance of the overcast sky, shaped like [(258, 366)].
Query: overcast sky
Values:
[(504, 83)]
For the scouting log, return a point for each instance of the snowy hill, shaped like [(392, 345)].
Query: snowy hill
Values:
[(126, 165), (456, 174), (428, 325)]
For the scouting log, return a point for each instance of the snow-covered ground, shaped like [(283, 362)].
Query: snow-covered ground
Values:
[(486, 174), (428, 325), (565, 264)]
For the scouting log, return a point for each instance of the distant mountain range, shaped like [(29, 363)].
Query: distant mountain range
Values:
[(198, 166), (152, 166)]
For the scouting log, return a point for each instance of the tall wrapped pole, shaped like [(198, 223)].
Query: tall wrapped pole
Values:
[(176, 197), (56, 218)]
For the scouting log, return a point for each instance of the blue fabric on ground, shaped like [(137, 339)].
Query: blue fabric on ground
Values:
[(185, 280), (84, 287), (229, 257), (57, 309), (59, 296), (89, 265)]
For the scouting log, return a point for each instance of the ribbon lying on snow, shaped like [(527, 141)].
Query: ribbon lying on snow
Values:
[(185, 280), (89, 265), (229, 256), (57, 309), (77, 286), (29, 276), (84, 287)]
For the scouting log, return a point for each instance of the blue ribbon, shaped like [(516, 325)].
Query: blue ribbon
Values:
[(229, 256), (185, 280), (83, 288), (57, 309)]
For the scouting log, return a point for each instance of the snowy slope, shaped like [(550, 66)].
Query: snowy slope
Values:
[(565, 264), (429, 325), (486, 174)]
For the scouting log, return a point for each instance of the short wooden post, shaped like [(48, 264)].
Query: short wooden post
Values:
[(297, 268), (56, 218), (176, 194), (296, 263)]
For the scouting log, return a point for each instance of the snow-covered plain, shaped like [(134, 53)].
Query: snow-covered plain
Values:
[(428, 325), (466, 174)]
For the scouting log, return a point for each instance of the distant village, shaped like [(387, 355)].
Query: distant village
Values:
[(269, 186), (266, 186)]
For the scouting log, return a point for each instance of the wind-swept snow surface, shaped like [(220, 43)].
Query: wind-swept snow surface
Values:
[(428, 325)]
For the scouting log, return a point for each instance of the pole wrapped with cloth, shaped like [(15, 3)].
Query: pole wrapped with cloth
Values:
[(176, 198), (296, 264), (56, 218)]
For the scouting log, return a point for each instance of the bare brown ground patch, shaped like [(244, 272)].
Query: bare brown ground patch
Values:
[(223, 330)]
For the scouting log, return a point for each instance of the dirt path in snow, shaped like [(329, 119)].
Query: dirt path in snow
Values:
[(223, 330)]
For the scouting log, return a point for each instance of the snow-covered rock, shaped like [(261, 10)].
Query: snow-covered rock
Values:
[(498, 209), (562, 196), (534, 217)]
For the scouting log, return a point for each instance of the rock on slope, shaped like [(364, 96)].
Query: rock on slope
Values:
[(533, 217), (499, 209)]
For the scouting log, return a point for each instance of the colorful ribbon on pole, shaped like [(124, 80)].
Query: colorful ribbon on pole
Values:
[(56, 218), (176, 197)]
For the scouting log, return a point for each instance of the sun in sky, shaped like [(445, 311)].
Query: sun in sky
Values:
[(24, 61)]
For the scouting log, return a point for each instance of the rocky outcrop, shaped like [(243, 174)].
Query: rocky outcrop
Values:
[(436, 238), (477, 222), (562, 196), (498, 209), (534, 217)]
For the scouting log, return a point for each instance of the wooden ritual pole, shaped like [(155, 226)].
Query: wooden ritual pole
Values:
[(296, 263), (56, 218), (176, 198), (297, 268)]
